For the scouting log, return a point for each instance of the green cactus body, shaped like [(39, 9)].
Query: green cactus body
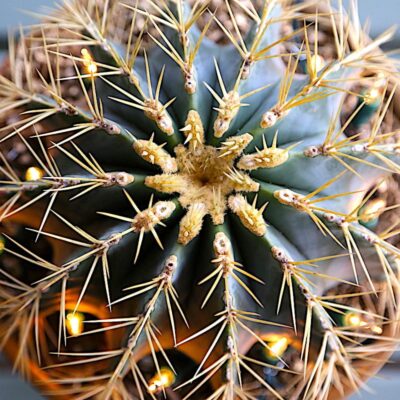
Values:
[(207, 194)]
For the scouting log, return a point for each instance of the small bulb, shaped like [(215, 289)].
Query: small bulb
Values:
[(372, 95), (74, 323), (165, 378), (2, 244), (354, 320), (33, 174), (277, 347), (90, 65), (317, 63)]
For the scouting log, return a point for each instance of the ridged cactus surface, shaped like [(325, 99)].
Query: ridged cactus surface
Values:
[(191, 221)]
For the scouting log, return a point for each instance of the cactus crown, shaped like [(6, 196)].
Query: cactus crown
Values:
[(205, 183)]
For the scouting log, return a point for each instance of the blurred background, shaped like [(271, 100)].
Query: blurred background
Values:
[(383, 13)]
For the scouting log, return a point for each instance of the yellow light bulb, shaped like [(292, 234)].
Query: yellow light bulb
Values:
[(165, 378), (33, 174), (74, 323), (317, 63), (277, 347), (2, 244), (90, 65), (355, 320), (372, 95)]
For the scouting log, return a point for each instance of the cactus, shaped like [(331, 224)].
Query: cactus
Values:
[(183, 202)]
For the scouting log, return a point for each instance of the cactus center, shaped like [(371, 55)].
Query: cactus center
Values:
[(202, 175), (207, 177)]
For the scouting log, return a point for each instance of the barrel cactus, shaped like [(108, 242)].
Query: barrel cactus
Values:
[(186, 193)]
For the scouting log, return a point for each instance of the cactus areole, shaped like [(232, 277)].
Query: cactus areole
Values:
[(186, 194)]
